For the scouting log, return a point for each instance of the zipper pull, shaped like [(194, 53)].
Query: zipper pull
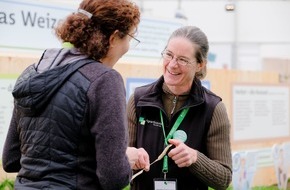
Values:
[(174, 105)]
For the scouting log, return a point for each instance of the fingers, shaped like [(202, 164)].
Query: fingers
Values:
[(175, 142), (182, 155), (132, 154), (183, 159), (143, 161)]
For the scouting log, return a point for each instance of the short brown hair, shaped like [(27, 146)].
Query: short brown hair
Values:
[(91, 35)]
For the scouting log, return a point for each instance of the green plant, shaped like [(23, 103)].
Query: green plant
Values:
[(127, 188), (7, 184)]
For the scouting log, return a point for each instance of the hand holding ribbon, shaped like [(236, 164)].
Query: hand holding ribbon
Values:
[(159, 158)]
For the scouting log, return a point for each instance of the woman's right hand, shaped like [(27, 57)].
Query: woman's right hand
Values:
[(138, 158)]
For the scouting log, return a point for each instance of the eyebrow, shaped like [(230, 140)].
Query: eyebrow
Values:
[(182, 56)]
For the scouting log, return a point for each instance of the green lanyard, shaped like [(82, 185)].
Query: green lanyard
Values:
[(169, 136)]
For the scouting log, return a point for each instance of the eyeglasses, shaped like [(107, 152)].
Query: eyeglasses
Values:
[(134, 42), (168, 56)]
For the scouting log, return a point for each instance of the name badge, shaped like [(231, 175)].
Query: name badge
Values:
[(162, 184)]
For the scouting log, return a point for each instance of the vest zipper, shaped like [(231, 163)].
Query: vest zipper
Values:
[(174, 105)]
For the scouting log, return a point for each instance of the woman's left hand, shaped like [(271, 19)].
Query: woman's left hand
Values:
[(138, 158), (182, 155)]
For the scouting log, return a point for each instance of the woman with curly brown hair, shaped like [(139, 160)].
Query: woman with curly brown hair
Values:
[(68, 129)]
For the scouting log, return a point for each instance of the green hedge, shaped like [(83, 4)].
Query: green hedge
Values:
[(7, 184)]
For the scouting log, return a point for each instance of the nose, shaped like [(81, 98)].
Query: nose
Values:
[(173, 61)]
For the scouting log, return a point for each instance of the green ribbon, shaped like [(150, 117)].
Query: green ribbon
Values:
[(169, 136)]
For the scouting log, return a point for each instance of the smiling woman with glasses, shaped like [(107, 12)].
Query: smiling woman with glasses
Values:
[(177, 111)]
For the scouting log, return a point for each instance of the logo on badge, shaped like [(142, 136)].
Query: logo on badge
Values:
[(142, 120)]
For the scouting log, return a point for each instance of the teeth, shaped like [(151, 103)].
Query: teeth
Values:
[(173, 73)]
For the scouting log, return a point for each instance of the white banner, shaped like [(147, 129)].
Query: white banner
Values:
[(260, 111), (28, 25), (6, 107)]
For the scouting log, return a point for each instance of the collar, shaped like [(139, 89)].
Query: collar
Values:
[(152, 93)]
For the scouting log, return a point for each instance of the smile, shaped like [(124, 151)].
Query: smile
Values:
[(173, 73)]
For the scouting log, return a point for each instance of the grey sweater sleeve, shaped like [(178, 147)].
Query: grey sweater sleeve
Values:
[(216, 168), (107, 105)]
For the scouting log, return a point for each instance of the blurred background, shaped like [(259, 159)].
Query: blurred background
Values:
[(248, 64)]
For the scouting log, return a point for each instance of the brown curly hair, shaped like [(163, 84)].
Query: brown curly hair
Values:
[(91, 35)]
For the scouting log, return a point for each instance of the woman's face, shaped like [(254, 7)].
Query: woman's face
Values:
[(118, 47), (177, 75)]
